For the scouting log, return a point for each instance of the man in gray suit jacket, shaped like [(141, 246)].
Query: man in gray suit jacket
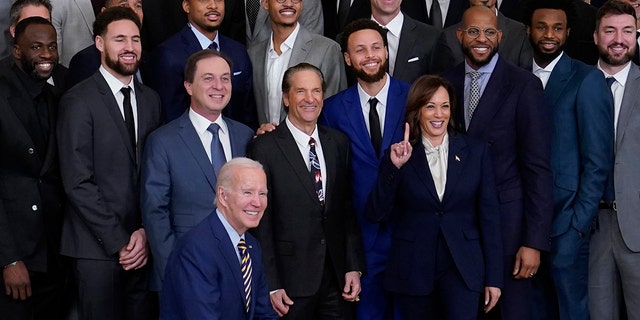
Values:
[(614, 254), (311, 18), (290, 43), (73, 20)]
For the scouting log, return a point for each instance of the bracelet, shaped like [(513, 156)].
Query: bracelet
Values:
[(11, 264)]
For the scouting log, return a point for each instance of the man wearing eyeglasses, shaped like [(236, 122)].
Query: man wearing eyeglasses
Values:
[(504, 105)]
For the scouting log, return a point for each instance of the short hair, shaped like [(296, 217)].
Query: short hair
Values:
[(419, 94), (286, 78), (614, 7), (565, 5), (112, 14), (21, 27), (361, 24), (227, 171), (191, 65), (16, 8)]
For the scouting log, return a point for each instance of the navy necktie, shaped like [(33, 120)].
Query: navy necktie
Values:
[(217, 152), (128, 116), (213, 46), (610, 81)]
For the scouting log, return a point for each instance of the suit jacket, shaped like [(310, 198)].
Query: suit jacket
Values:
[(580, 43), (59, 76), (514, 46), (332, 27), (625, 172), (468, 217), (83, 65), (310, 18), (308, 47), (6, 41), (31, 194), (417, 9), (73, 20), (99, 167), (204, 281), (582, 142), (296, 231), (165, 74), (344, 113), (179, 184), (508, 116)]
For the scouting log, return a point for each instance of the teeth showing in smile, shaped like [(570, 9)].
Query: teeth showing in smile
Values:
[(617, 49), (481, 49), (251, 213), (216, 96), (44, 65), (437, 124)]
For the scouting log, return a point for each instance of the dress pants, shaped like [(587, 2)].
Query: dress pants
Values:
[(614, 272), (375, 303), (48, 299), (514, 303)]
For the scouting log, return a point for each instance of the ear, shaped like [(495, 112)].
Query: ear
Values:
[(185, 6), (17, 52), (347, 58), (459, 35), (285, 99), (265, 4), (528, 31), (99, 43), (187, 87), (12, 31)]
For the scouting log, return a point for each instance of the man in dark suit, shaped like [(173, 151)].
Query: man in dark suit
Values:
[(31, 195), (504, 105), (312, 247), (419, 10), (581, 157), (415, 48), (179, 159), (349, 111), (86, 62), (102, 128), (338, 14), (207, 273), (165, 72), (514, 45)]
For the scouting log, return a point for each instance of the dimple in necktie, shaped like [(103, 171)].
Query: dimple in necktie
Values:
[(246, 270), (218, 158), (374, 125), (474, 93), (314, 170), (128, 116)]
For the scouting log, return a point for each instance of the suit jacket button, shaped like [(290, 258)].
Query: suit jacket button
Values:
[(34, 207), (438, 213), (30, 150), (322, 242)]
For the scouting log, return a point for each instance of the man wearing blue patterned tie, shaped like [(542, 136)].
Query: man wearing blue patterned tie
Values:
[(216, 270)]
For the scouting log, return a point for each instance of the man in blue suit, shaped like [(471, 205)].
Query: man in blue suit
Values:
[(581, 155), (166, 64), (505, 106), (210, 275), (180, 166), (365, 51)]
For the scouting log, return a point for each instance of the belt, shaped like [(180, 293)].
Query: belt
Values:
[(608, 205)]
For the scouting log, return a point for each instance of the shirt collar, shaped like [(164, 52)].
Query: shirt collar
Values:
[(550, 66), (394, 26), (233, 234), (288, 43), (114, 84), (381, 95), (300, 137), (202, 39), (487, 68), (621, 76), (201, 124)]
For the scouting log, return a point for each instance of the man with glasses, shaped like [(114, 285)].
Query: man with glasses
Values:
[(504, 105)]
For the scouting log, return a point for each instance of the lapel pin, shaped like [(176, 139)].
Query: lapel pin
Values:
[(457, 159)]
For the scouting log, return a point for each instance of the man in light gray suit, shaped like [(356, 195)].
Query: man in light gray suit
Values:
[(514, 46), (311, 18), (73, 20), (614, 254), (289, 44)]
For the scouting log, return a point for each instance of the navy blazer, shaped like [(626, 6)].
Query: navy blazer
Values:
[(203, 278), (344, 113), (468, 218), (513, 118), (179, 184), (165, 74), (582, 145)]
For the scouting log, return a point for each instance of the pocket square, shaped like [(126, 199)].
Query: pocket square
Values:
[(413, 59), (235, 73)]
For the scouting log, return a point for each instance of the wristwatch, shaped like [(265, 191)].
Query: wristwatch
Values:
[(11, 264)]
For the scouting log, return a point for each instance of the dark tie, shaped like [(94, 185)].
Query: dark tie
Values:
[(374, 125), (474, 93), (610, 81), (343, 13), (217, 152), (253, 7), (246, 270), (128, 116), (213, 46), (435, 14), (314, 170)]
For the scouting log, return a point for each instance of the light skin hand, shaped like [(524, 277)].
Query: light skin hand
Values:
[(136, 253), (527, 262), (352, 286), (401, 151), (266, 127), (17, 282), (491, 297), (280, 302)]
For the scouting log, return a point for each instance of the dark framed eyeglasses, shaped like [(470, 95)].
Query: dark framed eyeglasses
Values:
[(474, 32)]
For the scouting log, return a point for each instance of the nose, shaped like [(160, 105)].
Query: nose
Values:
[(47, 52), (548, 33), (618, 36), (438, 112), (212, 4)]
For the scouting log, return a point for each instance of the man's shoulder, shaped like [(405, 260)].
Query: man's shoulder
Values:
[(237, 128)]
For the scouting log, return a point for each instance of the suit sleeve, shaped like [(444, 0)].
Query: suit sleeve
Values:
[(383, 195), (335, 75), (441, 57), (76, 152), (163, 71), (489, 216), (354, 259), (311, 17), (596, 140), (156, 199)]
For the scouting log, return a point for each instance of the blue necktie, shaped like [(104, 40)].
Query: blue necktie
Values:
[(217, 152), (610, 81), (246, 270), (213, 46), (314, 170)]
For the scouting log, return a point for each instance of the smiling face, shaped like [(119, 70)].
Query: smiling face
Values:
[(36, 52), (204, 15), (479, 51), (244, 200), (30, 11), (120, 49), (548, 34), (304, 99), (434, 116), (211, 88), (284, 14), (616, 40), (386, 7), (367, 55)]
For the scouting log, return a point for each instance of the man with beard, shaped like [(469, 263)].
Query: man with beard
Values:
[(371, 114), (165, 73), (614, 254), (504, 105), (103, 123), (581, 157), (31, 195), (289, 44)]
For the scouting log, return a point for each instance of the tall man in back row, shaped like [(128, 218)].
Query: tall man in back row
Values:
[(504, 105)]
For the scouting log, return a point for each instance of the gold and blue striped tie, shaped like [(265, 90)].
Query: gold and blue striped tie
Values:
[(246, 269)]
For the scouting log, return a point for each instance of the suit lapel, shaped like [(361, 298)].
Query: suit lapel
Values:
[(629, 102), (190, 138), (393, 115), (420, 166), (87, 13), (228, 251), (489, 103), (407, 42), (301, 47), (329, 149), (259, 51), (558, 80), (189, 40), (353, 112), (455, 162)]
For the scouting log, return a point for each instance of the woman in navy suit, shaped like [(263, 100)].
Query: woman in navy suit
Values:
[(437, 189)]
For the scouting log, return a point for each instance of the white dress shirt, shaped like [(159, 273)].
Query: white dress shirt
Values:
[(201, 124), (381, 107), (617, 89), (393, 38), (276, 65), (545, 73), (302, 141), (115, 86)]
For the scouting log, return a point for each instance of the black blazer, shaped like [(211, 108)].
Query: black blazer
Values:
[(296, 232), (332, 27), (417, 9), (99, 167)]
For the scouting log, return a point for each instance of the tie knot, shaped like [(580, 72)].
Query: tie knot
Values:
[(312, 142), (126, 91), (610, 81), (475, 75), (213, 128), (242, 245), (213, 46), (373, 101)]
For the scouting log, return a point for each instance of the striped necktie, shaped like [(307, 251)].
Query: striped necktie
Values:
[(246, 269)]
